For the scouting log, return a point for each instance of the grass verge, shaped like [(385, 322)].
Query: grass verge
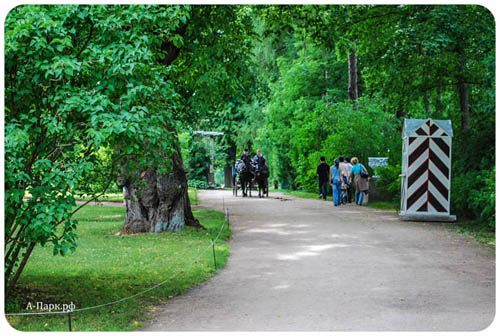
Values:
[(480, 232), (383, 205), (304, 194), (193, 196), (106, 267)]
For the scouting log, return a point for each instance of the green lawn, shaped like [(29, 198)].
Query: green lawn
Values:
[(304, 194), (106, 267), (108, 197), (193, 196)]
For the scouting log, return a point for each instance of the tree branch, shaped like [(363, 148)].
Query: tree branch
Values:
[(20, 268), (91, 30), (172, 52)]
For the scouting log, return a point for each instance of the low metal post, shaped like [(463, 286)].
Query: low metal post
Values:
[(213, 249), (69, 319)]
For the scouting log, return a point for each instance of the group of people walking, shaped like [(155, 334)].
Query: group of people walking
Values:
[(341, 175)]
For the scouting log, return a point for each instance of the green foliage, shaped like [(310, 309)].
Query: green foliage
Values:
[(473, 196), (90, 90), (83, 89), (196, 157), (389, 182), (411, 62), (308, 127), (198, 184), (219, 177), (197, 162)]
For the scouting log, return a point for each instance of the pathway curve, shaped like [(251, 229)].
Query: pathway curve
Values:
[(303, 265)]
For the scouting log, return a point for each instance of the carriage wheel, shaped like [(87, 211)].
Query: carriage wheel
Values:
[(235, 188)]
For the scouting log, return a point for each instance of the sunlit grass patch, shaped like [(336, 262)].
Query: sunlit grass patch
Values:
[(107, 267), (193, 196)]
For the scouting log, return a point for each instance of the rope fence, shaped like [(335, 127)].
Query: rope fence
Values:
[(69, 311)]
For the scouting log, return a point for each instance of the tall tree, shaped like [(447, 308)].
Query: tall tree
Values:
[(209, 62), (80, 81)]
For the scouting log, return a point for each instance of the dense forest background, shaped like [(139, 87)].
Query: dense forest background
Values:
[(304, 101), (105, 97)]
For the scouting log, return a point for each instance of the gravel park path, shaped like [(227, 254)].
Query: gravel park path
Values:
[(305, 265)]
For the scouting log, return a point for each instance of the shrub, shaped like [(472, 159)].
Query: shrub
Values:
[(389, 182), (473, 196), (198, 184)]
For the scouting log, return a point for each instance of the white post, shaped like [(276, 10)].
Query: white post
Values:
[(211, 178)]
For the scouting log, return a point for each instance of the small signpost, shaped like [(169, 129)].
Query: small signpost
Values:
[(375, 162)]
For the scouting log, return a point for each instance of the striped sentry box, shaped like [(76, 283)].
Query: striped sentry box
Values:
[(426, 170)]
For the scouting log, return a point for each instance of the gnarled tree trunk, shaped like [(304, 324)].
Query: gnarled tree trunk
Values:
[(158, 202)]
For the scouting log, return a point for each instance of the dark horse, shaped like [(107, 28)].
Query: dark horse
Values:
[(261, 177), (246, 174)]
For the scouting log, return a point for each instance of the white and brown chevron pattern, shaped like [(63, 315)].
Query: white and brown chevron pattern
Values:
[(429, 163)]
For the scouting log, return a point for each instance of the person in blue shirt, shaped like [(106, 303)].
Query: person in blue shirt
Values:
[(336, 182), (360, 183)]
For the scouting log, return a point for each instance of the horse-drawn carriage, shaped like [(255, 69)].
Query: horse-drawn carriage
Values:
[(247, 176)]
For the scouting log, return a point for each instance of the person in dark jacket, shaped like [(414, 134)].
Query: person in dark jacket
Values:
[(245, 157), (259, 159), (323, 172)]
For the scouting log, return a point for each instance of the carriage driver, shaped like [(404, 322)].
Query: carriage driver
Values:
[(245, 157), (259, 159)]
